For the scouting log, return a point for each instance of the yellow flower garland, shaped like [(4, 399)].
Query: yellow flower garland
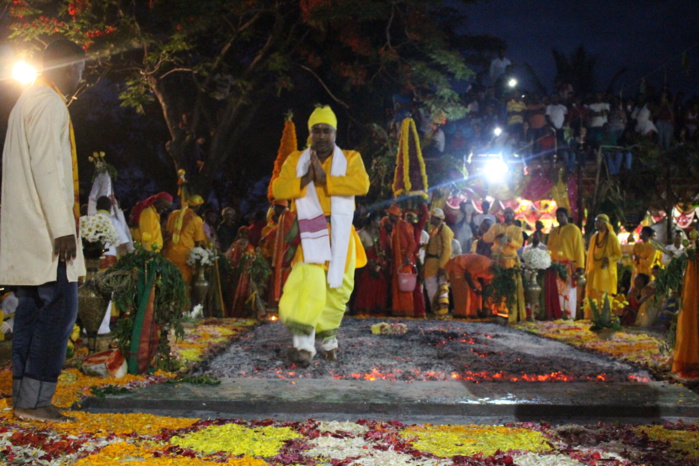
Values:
[(121, 425), (402, 174), (237, 440), (449, 440), (127, 453), (681, 440)]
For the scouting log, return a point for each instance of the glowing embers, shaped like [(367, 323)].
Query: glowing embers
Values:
[(467, 376), (439, 351), (505, 377)]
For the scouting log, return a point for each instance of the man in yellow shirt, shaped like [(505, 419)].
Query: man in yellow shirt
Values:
[(515, 116), (567, 247), (602, 257), (507, 238), (145, 219), (185, 230), (321, 182), (437, 255), (644, 255)]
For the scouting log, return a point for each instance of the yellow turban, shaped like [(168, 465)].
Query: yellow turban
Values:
[(195, 200), (604, 217), (322, 115)]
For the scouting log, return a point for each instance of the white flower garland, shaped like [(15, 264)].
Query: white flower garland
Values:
[(537, 259)]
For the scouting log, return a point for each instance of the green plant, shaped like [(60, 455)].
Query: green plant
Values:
[(170, 297), (671, 277), (603, 318), (103, 391), (196, 380), (503, 286), (560, 269)]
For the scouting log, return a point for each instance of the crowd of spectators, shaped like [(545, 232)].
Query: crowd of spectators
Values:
[(503, 118)]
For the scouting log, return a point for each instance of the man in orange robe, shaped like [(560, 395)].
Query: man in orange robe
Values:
[(403, 253), (468, 274), (274, 248)]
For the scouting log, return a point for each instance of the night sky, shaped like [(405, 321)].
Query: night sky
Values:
[(646, 36)]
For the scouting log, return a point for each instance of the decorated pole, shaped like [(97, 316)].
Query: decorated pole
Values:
[(410, 178), (287, 145)]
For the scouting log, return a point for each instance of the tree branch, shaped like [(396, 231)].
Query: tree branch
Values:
[(175, 70), (304, 67)]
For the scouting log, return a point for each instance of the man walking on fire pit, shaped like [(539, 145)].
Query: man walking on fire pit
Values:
[(321, 182)]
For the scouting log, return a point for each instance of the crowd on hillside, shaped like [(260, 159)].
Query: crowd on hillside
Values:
[(506, 119)]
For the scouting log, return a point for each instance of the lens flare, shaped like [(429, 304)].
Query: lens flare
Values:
[(24, 73)]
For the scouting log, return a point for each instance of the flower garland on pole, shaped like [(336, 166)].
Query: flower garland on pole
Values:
[(410, 177), (287, 145)]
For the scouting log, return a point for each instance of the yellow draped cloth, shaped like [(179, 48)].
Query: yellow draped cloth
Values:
[(601, 279), (505, 253), (505, 256), (687, 337), (567, 246), (73, 151), (307, 302), (148, 231), (192, 232), (647, 255)]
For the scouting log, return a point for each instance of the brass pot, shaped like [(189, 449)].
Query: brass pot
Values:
[(92, 304), (200, 286)]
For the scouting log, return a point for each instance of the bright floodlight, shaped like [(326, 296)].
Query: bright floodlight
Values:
[(24, 73), (497, 131), (512, 82), (495, 170)]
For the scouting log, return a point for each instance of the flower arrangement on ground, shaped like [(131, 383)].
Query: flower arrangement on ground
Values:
[(199, 256), (385, 328), (97, 233), (605, 312), (536, 259)]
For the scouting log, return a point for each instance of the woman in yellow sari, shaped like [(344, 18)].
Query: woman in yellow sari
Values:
[(602, 257)]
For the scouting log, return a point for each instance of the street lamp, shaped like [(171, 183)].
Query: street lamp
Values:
[(512, 83), (497, 131), (24, 73)]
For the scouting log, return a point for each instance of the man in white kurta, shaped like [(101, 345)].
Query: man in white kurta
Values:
[(39, 240)]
